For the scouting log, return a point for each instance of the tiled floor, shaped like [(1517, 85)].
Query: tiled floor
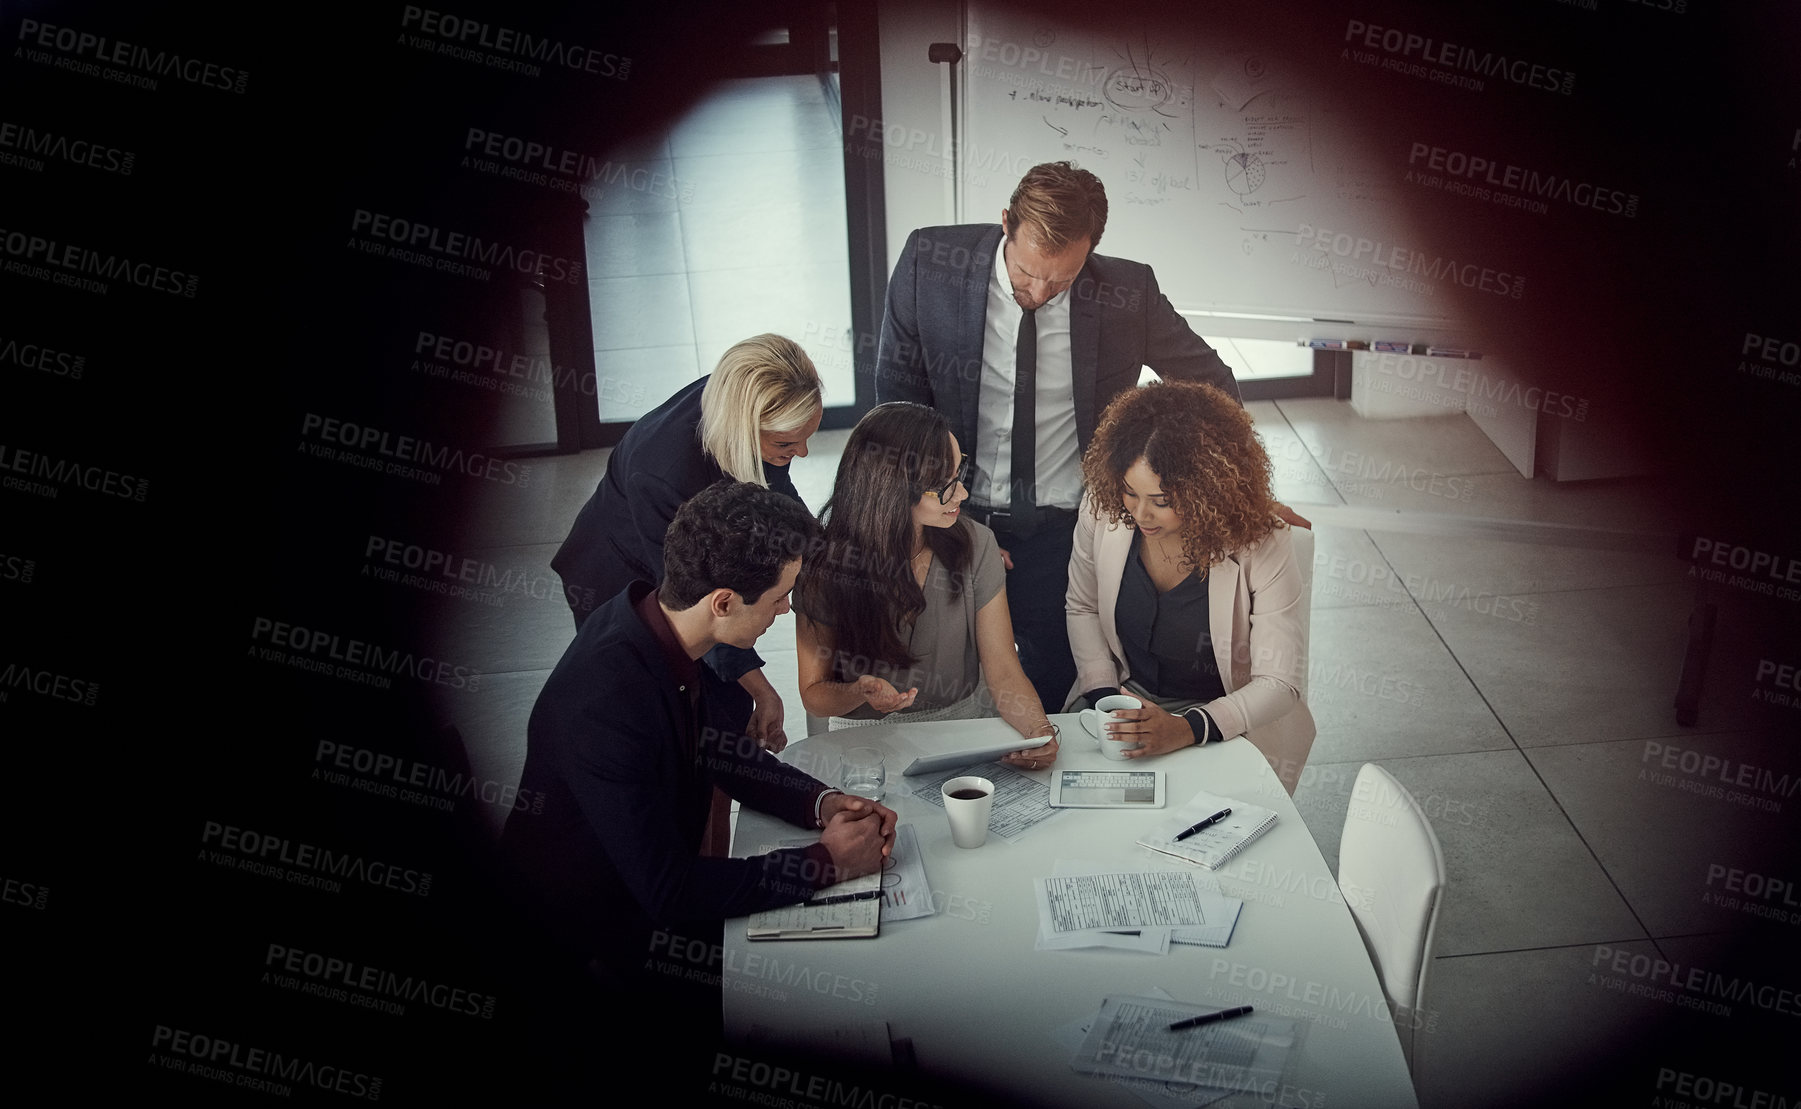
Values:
[(1553, 842), (1518, 688)]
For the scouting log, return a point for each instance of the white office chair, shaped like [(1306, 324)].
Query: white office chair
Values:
[(1392, 873)]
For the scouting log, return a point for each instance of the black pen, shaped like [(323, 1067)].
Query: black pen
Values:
[(866, 895), (1207, 823), (1209, 1018)]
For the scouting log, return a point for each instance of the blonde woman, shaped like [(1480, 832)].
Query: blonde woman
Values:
[(747, 420)]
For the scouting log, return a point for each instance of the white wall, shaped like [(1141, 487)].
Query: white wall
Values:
[(914, 139)]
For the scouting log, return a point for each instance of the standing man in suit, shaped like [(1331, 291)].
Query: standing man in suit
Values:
[(1020, 334)]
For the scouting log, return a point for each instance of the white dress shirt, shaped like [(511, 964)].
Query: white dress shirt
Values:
[(1059, 460)]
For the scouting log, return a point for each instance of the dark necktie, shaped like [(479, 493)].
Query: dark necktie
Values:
[(1022, 517)]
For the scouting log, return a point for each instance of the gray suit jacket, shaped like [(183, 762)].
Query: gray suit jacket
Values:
[(931, 346)]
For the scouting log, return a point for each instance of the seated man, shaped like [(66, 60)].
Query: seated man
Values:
[(625, 745)]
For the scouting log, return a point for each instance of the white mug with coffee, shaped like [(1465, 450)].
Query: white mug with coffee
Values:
[(1096, 720), (967, 802)]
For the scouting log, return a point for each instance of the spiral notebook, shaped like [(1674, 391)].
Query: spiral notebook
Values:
[(848, 910), (1212, 846)]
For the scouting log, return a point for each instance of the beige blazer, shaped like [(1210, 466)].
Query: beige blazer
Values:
[(1254, 598)]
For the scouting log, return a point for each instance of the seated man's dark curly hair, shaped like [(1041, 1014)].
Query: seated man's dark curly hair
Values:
[(733, 535)]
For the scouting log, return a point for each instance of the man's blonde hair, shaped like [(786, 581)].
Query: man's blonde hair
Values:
[(1063, 203)]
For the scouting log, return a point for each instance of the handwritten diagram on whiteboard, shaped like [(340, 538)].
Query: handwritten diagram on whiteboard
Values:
[(1224, 170)]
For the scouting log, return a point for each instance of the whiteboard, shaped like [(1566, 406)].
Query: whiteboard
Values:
[(1225, 172)]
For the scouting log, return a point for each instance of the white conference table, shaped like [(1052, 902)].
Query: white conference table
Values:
[(982, 1006)]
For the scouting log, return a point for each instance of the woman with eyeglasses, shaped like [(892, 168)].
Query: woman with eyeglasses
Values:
[(906, 612)]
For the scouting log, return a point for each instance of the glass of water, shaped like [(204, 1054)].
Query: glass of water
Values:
[(863, 773)]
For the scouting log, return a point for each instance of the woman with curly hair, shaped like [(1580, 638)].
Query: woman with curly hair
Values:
[(906, 612), (1183, 588)]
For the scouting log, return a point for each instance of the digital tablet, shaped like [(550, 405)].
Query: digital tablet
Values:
[(1106, 789), (951, 760)]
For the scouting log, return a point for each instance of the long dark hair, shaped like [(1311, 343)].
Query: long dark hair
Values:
[(864, 586)]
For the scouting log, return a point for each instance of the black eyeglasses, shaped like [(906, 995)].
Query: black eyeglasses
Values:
[(962, 474)]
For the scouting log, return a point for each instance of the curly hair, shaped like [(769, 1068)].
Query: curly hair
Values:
[(733, 535), (1199, 442), (864, 586)]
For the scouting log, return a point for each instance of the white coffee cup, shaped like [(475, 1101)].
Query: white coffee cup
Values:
[(1097, 717), (968, 815)]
